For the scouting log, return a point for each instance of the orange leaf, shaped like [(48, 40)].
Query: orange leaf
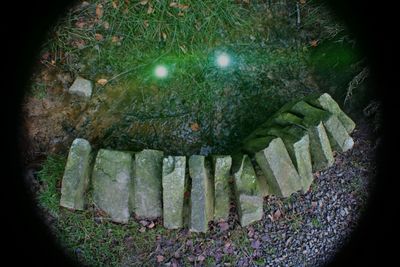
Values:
[(102, 82), (314, 43), (99, 11), (98, 37), (195, 127)]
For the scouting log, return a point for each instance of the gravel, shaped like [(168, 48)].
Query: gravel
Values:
[(303, 230)]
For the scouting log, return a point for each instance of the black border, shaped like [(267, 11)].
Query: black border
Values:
[(28, 241)]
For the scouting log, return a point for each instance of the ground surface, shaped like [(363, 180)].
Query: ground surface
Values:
[(303, 230)]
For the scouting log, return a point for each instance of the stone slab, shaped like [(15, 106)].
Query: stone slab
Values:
[(222, 167)]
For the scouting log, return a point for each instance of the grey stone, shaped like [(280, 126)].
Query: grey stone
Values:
[(277, 166), (148, 183), (76, 175), (320, 148), (337, 134), (111, 178), (81, 87), (173, 185), (297, 143), (202, 194), (222, 167), (249, 199), (326, 102)]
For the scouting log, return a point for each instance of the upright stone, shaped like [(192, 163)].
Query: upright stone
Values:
[(202, 195), (297, 143), (249, 199), (222, 167), (326, 102), (76, 175), (320, 148), (337, 134), (148, 183), (278, 168), (111, 177), (173, 185)]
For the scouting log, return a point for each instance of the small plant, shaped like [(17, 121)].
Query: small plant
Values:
[(315, 222)]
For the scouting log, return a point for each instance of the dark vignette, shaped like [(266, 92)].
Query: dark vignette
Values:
[(28, 240)]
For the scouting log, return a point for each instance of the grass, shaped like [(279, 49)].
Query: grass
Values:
[(94, 243), (269, 67)]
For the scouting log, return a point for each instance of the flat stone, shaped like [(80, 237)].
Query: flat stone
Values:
[(249, 199), (326, 102), (277, 166), (222, 167), (202, 194), (148, 183), (81, 87), (297, 143), (173, 185), (111, 178), (76, 175), (339, 138)]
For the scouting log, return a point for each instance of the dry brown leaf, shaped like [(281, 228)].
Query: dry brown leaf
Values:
[(99, 11), (146, 23), (144, 2), (102, 82), (98, 37), (302, 2), (115, 39), (80, 24), (160, 258), (151, 225), (142, 229), (277, 214), (115, 4), (195, 127), (150, 9), (314, 43)]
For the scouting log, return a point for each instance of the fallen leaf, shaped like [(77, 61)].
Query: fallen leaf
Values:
[(314, 43), (115, 39), (150, 9), (223, 226), (181, 14), (106, 25), (142, 229), (144, 2), (164, 36), (302, 2), (79, 43), (144, 222), (102, 82), (115, 4), (99, 11), (277, 214), (183, 48), (160, 258), (151, 225), (201, 258), (146, 23), (173, 4), (195, 127), (98, 37), (80, 24), (314, 204)]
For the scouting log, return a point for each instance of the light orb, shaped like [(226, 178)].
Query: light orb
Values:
[(161, 71), (223, 60)]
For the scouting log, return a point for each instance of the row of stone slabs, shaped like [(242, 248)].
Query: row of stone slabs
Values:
[(286, 149)]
